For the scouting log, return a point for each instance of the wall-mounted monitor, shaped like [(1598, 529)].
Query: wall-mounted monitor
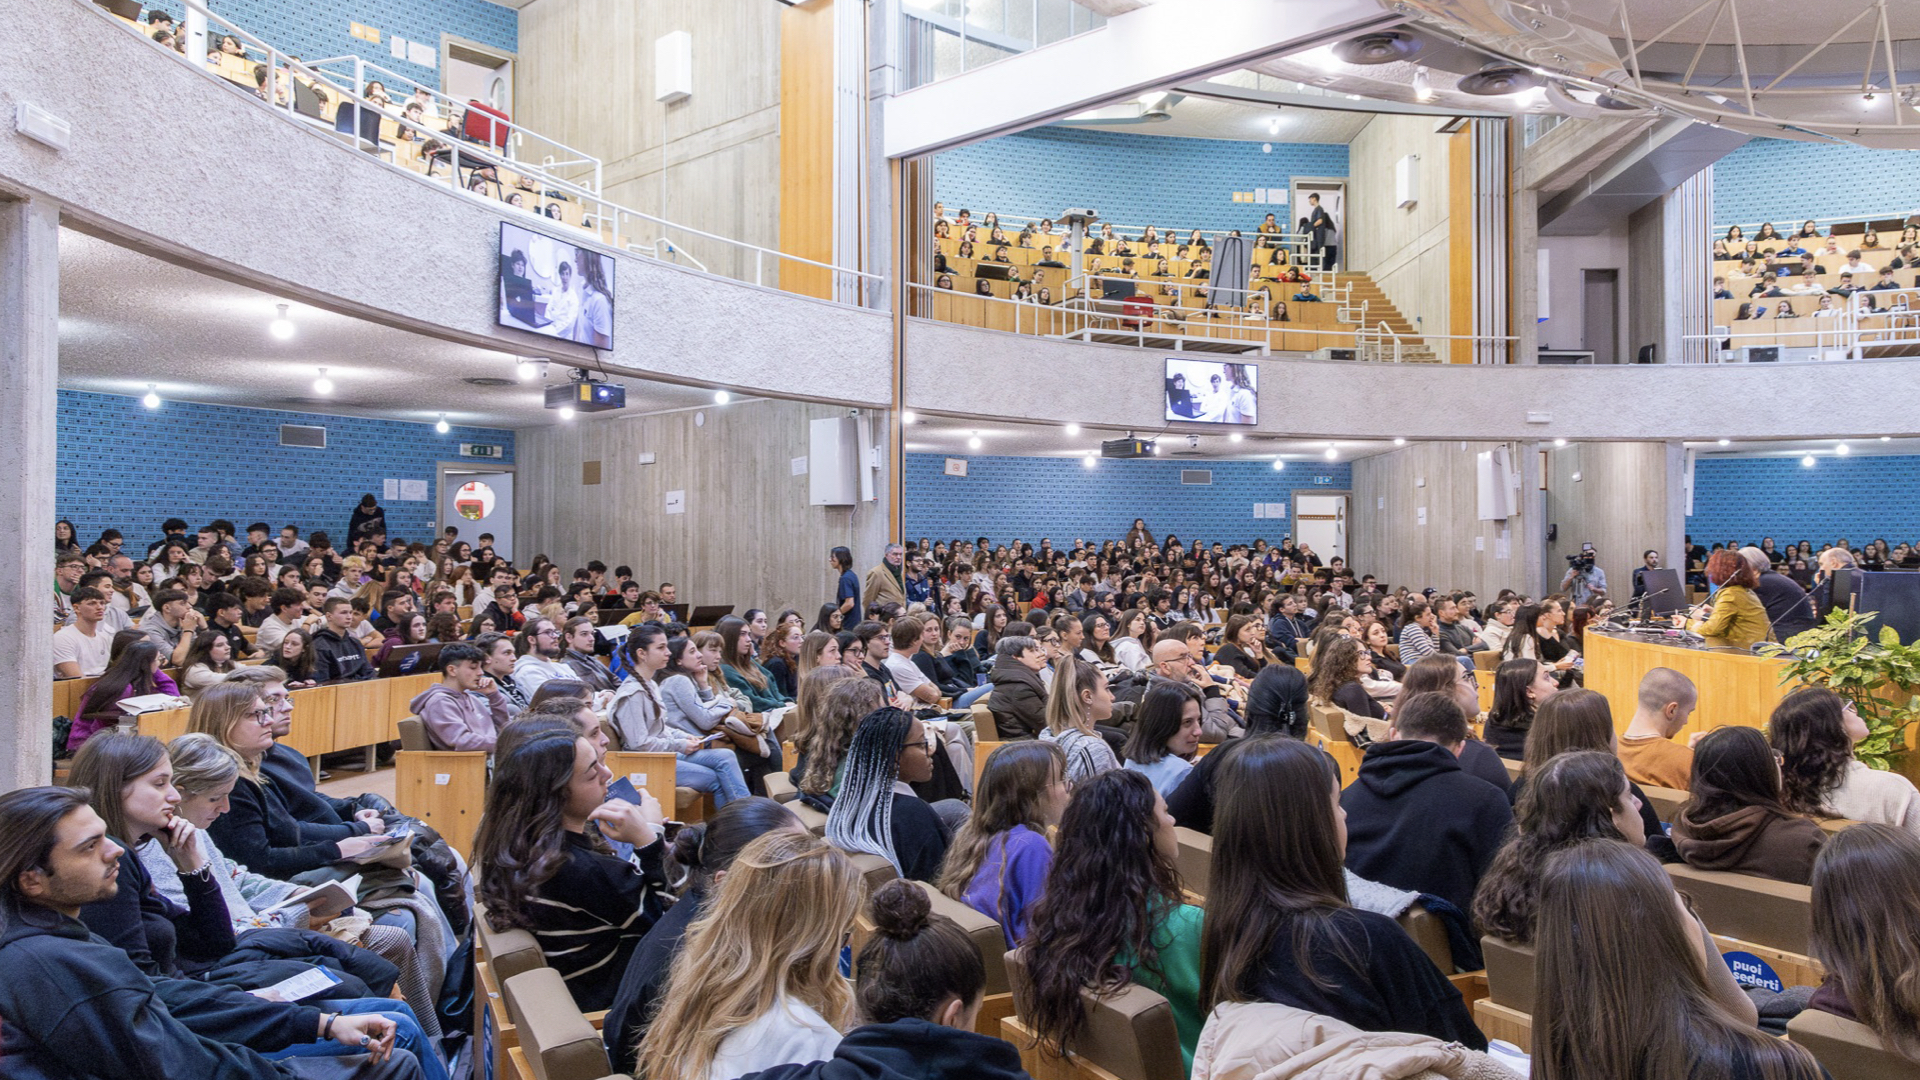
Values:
[(551, 287), (1212, 392)]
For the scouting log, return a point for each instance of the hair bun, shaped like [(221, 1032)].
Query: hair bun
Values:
[(900, 910), (686, 845)]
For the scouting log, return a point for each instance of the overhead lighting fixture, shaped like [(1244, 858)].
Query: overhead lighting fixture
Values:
[(1807, 462), (1886, 438), (907, 416), (1331, 454), (525, 369), (566, 412), (1422, 88), (1726, 442), (323, 385), (1235, 437), (443, 427), (1278, 464), (973, 441), (1498, 80), (1073, 429), (1843, 449), (1559, 442), (152, 400), (1384, 47), (721, 397), (281, 327), (1273, 125), (1400, 441), (1089, 461)]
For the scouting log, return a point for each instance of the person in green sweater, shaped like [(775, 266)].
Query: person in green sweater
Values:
[(1112, 912), (742, 671)]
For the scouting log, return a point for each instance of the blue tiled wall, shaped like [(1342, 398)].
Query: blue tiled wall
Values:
[(318, 29), (1788, 182), (124, 466), (1028, 498), (1130, 179), (1859, 498)]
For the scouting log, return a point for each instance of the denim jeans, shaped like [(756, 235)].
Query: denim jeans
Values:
[(717, 771), (972, 696), (407, 1035)]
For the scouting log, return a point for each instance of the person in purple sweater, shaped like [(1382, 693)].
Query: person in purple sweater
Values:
[(998, 863), (134, 671)]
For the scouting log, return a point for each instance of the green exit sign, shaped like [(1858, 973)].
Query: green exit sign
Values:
[(480, 450)]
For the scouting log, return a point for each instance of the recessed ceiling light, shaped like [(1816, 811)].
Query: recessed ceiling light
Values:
[(1089, 461), (1278, 464), (525, 369), (443, 427), (1073, 429), (1843, 449), (1332, 454), (1726, 442), (281, 327), (1235, 437), (566, 412), (1807, 462), (1422, 89), (1886, 438), (1559, 442), (907, 417), (152, 400), (721, 397), (323, 385), (973, 442), (1400, 441)]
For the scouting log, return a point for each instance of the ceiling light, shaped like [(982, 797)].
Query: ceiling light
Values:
[(152, 400), (1073, 429), (1807, 462), (1381, 47), (1273, 125), (1401, 441), (1843, 449), (1559, 442), (1886, 438), (907, 417), (566, 412), (443, 427), (1235, 437), (973, 442), (1497, 79), (525, 369), (1332, 454), (1726, 442), (1089, 461), (1422, 89), (323, 385), (1278, 464), (1155, 447), (281, 327), (721, 397)]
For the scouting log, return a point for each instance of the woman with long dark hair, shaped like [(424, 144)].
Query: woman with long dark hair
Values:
[(639, 716), (543, 863), (998, 861), (1520, 686), (1279, 924), (1096, 646), (1734, 818), (133, 672), (1574, 720), (1866, 902), (1814, 730), (871, 814), (1112, 912), (742, 670), (1166, 734), (1623, 990), (1337, 670)]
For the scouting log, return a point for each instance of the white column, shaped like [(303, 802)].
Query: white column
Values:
[(29, 370)]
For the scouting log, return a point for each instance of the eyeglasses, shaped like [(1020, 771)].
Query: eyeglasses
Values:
[(263, 717)]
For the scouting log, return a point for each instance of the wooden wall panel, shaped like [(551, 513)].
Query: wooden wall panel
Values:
[(748, 536), (1619, 505), (1460, 241), (1388, 542), (806, 143), (1405, 250)]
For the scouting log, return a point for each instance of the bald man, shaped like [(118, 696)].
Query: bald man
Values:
[(1789, 608), (1665, 703), (1175, 661)]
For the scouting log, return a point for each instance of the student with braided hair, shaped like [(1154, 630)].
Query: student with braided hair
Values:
[(876, 811)]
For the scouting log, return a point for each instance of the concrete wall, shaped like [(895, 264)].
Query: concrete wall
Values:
[(1453, 549), (1627, 499), (1403, 249), (1567, 257)]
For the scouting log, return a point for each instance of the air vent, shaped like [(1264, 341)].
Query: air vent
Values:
[(1385, 47), (1496, 80), (1196, 476), (306, 435), (486, 380)]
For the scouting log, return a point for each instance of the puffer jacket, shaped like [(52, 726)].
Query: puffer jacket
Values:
[(1265, 1041)]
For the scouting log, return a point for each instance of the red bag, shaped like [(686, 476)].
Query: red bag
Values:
[(480, 126)]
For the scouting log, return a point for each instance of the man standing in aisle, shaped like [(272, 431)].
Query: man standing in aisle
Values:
[(1323, 237), (885, 583)]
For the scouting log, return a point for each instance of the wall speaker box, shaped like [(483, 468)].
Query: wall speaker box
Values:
[(833, 457)]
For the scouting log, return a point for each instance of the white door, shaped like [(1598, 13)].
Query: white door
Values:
[(1320, 522), (478, 501)]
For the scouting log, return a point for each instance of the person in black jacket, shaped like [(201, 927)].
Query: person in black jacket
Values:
[(367, 517), (1285, 630), (337, 657), (1276, 704), (1019, 698), (1789, 607), (920, 986), (1415, 819), (706, 851), (73, 1006)]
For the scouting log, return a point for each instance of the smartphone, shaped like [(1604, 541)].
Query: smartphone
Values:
[(713, 738), (670, 829)]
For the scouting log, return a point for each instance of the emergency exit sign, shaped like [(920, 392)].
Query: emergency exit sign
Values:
[(468, 449)]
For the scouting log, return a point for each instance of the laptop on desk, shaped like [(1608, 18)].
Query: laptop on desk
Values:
[(678, 612), (410, 660), (709, 614)]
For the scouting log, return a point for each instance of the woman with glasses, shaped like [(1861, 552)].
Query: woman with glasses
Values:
[(257, 831)]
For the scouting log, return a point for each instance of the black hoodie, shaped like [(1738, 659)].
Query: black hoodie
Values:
[(909, 1050), (1416, 820), (72, 1007)]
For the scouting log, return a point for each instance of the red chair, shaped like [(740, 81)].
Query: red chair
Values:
[(1136, 311), (481, 126)]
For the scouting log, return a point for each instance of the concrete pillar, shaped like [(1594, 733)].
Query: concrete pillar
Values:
[(1679, 499), (29, 370)]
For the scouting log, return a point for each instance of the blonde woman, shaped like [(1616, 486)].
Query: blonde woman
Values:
[(758, 982), (1078, 700), (818, 649)]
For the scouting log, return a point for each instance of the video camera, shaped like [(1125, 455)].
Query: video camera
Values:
[(1582, 560)]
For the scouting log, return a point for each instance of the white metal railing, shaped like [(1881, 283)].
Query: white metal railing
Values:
[(1841, 335), (1793, 227), (938, 39), (610, 223)]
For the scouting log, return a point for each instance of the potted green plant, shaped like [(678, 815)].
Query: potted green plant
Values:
[(1880, 677)]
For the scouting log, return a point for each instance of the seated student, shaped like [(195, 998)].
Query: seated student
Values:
[(1664, 705), (1112, 912), (1419, 624), (134, 671), (905, 633), (706, 851), (782, 659), (72, 1004), (337, 656), (639, 717), (1886, 282), (1439, 674), (542, 655), (82, 648), (1814, 730), (1079, 700), (1865, 886), (999, 859), (1415, 819), (209, 660), (1519, 687), (1735, 819), (1582, 720), (1336, 678), (846, 701), (757, 982), (1243, 649), (542, 865), (871, 811), (1720, 290), (1166, 734), (1019, 698), (464, 710), (1279, 925), (1616, 952)]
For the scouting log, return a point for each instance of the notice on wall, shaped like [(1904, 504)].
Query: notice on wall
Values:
[(676, 502), (1276, 510), (1259, 510), (1503, 545), (397, 45), (413, 491), (421, 53), (390, 490), (799, 466), (1479, 543), (1420, 516)]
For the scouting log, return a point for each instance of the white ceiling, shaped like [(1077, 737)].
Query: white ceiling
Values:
[(128, 319), (1820, 448), (1209, 118), (948, 435)]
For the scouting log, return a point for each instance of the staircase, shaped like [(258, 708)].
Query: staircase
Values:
[(1381, 326)]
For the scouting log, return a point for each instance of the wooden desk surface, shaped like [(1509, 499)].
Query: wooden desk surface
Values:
[(1735, 687)]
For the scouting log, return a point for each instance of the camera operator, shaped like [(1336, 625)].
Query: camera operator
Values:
[(1583, 577)]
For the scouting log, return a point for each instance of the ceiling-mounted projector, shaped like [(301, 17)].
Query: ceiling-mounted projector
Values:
[(1126, 448), (587, 395)]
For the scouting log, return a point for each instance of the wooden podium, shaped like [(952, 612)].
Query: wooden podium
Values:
[(1735, 687)]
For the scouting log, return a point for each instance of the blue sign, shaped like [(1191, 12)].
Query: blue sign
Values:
[(1750, 970)]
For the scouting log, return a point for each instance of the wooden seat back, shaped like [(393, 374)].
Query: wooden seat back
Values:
[(1847, 1049), (1129, 1034), (1776, 914), (557, 1039)]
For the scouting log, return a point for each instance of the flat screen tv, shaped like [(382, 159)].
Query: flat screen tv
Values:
[(1212, 392), (551, 287)]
